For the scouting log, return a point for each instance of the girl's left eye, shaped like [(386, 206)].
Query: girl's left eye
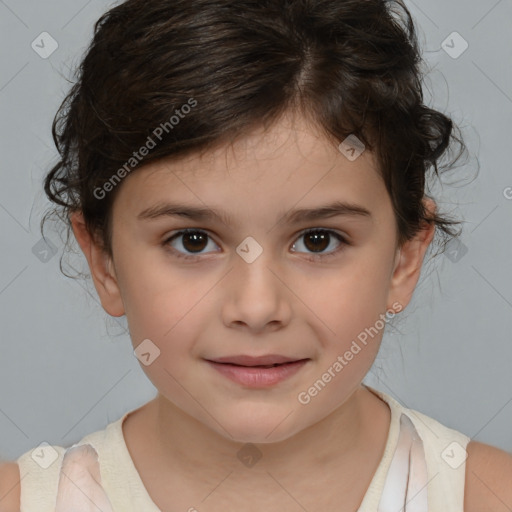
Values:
[(195, 240), (318, 239)]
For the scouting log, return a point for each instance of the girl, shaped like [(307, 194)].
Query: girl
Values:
[(247, 183)]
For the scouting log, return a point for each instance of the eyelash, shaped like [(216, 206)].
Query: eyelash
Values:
[(314, 257)]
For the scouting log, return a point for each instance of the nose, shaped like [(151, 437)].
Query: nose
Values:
[(255, 297)]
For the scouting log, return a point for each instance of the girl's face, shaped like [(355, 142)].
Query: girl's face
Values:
[(259, 279)]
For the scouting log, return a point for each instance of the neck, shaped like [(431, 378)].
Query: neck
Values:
[(331, 462), (189, 445)]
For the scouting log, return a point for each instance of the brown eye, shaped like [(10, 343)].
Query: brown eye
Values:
[(192, 241), (318, 240)]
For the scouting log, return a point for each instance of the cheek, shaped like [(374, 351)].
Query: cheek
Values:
[(352, 299), (155, 293), (351, 306)]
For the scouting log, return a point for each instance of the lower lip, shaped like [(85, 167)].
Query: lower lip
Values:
[(255, 377)]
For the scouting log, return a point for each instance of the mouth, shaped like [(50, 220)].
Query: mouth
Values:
[(258, 365), (268, 361), (257, 372)]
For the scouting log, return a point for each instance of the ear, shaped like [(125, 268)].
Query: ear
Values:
[(101, 266), (409, 262)]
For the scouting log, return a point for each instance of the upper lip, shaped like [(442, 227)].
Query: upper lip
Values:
[(245, 360)]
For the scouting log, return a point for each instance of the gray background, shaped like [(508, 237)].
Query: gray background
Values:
[(67, 369)]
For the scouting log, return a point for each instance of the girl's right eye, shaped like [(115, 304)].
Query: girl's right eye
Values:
[(194, 241)]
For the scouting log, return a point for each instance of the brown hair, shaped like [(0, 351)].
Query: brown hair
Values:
[(353, 66)]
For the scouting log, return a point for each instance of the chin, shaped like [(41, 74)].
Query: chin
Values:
[(259, 428)]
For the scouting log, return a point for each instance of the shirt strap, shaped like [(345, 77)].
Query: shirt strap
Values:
[(405, 488), (80, 487)]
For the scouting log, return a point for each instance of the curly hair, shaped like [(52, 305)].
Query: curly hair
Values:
[(352, 66)]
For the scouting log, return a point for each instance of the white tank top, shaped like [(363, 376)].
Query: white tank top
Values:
[(422, 470)]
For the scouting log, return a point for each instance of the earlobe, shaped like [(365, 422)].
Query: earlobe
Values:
[(101, 267)]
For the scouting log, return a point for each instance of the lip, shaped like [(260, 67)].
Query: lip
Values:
[(258, 376), (245, 360)]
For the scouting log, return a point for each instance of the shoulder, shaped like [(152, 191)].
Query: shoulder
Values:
[(488, 485), (9, 487)]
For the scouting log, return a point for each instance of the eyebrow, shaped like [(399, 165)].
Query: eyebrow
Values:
[(337, 208)]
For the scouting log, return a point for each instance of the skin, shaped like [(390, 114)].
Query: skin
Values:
[(282, 302)]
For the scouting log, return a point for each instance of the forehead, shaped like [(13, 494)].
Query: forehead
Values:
[(288, 165)]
